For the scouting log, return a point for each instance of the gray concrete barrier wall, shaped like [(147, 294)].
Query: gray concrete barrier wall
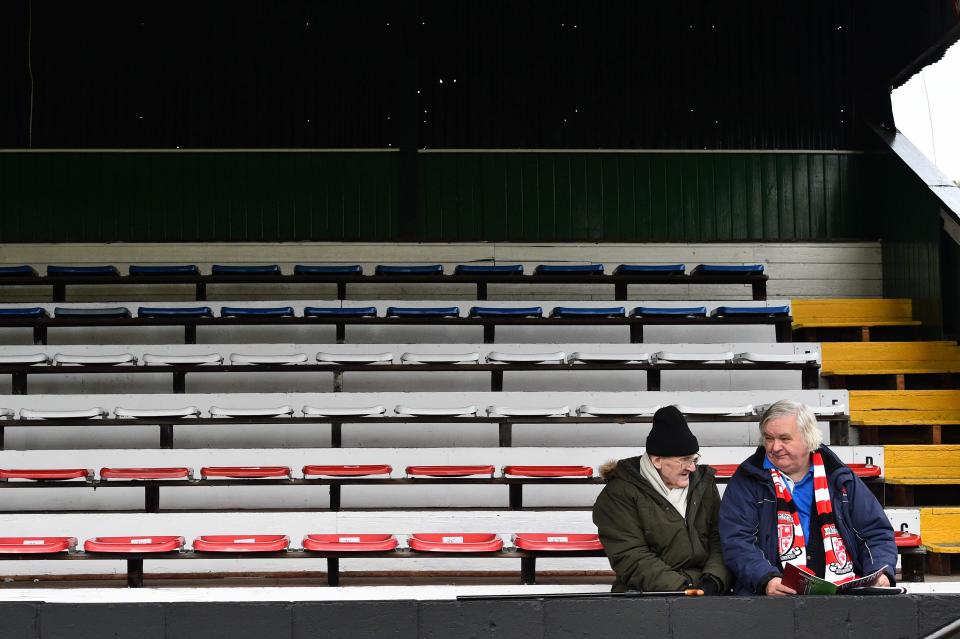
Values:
[(600, 617)]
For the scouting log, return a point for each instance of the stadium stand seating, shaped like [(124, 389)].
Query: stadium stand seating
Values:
[(941, 537), (911, 469), (859, 319), (929, 417), (894, 365)]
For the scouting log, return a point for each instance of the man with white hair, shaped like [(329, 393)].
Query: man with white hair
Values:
[(795, 502)]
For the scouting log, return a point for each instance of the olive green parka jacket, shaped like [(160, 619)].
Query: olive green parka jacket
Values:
[(649, 545)]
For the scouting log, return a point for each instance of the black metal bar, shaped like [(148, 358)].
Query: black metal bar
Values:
[(135, 573), (336, 434), (810, 378), (2, 434), (759, 290), (489, 333), (840, 433), (201, 292), (506, 434), (636, 333), (59, 292), (341, 291), (653, 379), (481, 290), (190, 334), (341, 329), (516, 496), (151, 499), (18, 383), (166, 436), (496, 381), (335, 497), (40, 334), (337, 381), (333, 571), (179, 382), (784, 331), (528, 570), (620, 291)]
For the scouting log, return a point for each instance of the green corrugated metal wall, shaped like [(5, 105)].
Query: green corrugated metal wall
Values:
[(347, 196), (193, 196), (640, 197)]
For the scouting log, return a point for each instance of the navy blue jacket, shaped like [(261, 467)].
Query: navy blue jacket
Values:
[(748, 523)]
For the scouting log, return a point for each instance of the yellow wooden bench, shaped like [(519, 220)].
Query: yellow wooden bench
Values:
[(845, 359), (933, 471), (940, 529), (863, 314), (926, 411)]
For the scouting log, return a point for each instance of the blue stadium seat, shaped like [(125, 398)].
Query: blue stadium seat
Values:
[(171, 269), (174, 311), (480, 269), (751, 311), (18, 271), (573, 311), (113, 311), (569, 269), (336, 311), (253, 311), (727, 269), (669, 311), (641, 269), (326, 269), (442, 311), (229, 269), (83, 270), (424, 269), (26, 311), (494, 311)]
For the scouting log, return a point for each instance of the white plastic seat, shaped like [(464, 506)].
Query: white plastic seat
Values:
[(785, 358), (358, 411), (607, 358), (26, 358), (355, 358), (82, 413), (589, 410), (825, 411), (720, 411), (206, 358), (6, 413), (139, 413), (296, 358), (440, 358), (703, 358), (536, 411), (433, 411), (495, 357), (121, 358), (280, 411)]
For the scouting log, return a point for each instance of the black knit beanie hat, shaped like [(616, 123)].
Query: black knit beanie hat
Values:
[(670, 435)]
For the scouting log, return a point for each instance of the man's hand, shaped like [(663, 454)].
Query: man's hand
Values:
[(775, 588), (883, 581)]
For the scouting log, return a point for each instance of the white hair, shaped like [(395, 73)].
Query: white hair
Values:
[(806, 420)]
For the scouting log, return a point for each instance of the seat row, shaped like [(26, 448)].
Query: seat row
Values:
[(492, 357), (360, 412), (158, 312)]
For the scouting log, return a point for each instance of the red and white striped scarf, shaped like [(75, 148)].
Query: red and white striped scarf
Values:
[(791, 544)]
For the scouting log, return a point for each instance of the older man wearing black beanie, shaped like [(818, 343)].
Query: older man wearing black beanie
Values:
[(657, 516)]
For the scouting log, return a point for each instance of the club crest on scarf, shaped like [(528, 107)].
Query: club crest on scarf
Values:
[(836, 552), (785, 537)]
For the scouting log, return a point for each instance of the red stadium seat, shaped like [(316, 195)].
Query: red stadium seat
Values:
[(449, 471), (347, 471), (245, 472), (349, 543), (241, 543), (725, 470), (455, 542), (907, 539), (47, 474), (548, 471), (145, 473), (557, 541), (865, 470), (36, 545), (134, 545)]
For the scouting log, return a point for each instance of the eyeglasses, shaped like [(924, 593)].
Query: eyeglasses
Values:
[(686, 461)]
